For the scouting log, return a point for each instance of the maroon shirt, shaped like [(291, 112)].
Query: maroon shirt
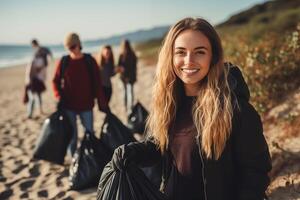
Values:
[(77, 87)]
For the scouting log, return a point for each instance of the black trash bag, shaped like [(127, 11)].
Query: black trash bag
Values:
[(129, 183), (54, 138), (88, 162), (114, 133), (137, 118), (154, 174)]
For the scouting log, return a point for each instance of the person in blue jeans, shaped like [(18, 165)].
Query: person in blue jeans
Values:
[(86, 118), (79, 85), (127, 66)]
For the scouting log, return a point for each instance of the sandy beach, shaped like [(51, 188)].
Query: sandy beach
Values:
[(20, 176), (24, 178)]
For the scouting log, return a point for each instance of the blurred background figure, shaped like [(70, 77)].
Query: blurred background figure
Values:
[(127, 66), (76, 84), (35, 77), (41, 54), (107, 69)]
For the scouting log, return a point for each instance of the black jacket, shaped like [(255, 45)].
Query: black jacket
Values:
[(241, 173), (129, 64)]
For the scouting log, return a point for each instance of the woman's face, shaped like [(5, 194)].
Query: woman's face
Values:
[(106, 53), (192, 56)]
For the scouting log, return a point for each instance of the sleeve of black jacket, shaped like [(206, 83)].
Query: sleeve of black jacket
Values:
[(143, 154), (252, 154)]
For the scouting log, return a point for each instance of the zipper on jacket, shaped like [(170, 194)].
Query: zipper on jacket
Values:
[(202, 161)]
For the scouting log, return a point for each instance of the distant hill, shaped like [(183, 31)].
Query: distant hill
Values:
[(272, 16), (136, 36), (277, 16), (263, 13)]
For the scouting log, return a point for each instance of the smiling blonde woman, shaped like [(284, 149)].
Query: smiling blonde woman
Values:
[(201, 125)]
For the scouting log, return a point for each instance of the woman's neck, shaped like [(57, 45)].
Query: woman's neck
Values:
[(191, 90)]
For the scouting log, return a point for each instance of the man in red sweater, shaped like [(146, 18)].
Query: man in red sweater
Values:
[(79, 85)]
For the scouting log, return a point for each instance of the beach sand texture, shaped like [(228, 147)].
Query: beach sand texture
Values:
[(24, 178)]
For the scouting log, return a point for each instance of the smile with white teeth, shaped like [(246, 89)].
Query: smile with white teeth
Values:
[(189, 71)]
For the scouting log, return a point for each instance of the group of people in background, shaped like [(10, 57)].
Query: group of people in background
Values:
[(79, 80), (127, 63), (37, 70)]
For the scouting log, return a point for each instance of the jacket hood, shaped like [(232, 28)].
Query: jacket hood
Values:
[(237, 82)]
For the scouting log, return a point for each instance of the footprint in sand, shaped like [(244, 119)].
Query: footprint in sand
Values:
[(6, 132), (18, 162), (43, 193), (9, 184), (44, 181), (35, 170), (6, 194), (26, 184), (59, 183), (64, 173), (60, 195), (24, 195), (2, 178), (6, 143), (19, 169)]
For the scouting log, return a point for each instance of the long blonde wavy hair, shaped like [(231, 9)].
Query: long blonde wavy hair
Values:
[(212, 111)]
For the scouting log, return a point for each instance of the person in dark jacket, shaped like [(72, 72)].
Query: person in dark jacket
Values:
[(107, 69), (127, 66), (202, 127), (78, 86)]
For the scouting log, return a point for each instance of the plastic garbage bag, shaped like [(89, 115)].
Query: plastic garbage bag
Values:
[(114, 133), (88, 163), (54, 138), (129, 183), (154, 174), (137, 119)]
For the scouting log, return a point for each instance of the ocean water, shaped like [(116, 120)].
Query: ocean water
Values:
[(12, 55)]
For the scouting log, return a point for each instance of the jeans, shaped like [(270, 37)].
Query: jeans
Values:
[(33, 97), (86, 118), (128, 96)]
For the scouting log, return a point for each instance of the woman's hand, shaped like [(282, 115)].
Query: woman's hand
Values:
[(120, 69)]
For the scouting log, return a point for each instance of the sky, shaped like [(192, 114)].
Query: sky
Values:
[(49, 21)]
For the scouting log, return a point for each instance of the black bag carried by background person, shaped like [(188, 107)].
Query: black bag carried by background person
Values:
[(88, 163), (129, 183), (54, 138), (137, 118), (114, 133)]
